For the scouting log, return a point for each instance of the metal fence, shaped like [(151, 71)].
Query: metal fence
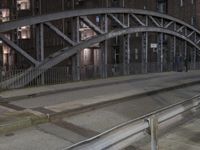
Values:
[(60, 75), (127, 133)]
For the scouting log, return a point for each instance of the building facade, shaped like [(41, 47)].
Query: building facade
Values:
[(25, 37)]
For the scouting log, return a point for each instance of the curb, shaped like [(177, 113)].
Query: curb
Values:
[(16, 98), (22, 123), (115, 101)]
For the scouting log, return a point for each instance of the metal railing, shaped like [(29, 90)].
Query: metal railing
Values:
[(127, 133), (61, 75)]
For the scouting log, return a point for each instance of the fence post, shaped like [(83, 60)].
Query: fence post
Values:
[(154, 132)]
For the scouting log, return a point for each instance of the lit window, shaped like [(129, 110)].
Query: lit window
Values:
[(4, 15), (24, 32), (97, 19), (6, 52), (86, 32), (86, 56), (23, 4)]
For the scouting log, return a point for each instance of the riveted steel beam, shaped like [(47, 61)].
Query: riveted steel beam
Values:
[(86, 12), (117, 20), (197, 42), (68, 52), (180, 29), (59, 33), (189, 35), (169, 24), (126, 46), (137, 19), (94, 27), (18, 49), (154, 21)]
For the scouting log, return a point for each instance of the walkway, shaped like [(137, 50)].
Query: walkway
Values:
[(58, 98)]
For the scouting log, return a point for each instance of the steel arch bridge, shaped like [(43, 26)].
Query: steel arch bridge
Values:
[(128, 21)]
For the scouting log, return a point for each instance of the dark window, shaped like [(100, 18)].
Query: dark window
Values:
[(162, 6), (115, 3)]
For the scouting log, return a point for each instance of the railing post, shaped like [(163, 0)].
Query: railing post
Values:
[(153, 122)]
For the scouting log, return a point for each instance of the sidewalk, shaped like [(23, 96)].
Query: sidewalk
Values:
[(52, 89), (90, 93), (64, 98)]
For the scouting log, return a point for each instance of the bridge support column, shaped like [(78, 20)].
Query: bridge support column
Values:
[(194, 55), (126, 47), (174, 54), (40, 46), (145, 42), (104, 48), (185, 50), (193, 58), (76, 59), (186, 46), (160, 55)]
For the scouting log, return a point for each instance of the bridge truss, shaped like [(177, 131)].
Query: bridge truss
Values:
[(127, 21)]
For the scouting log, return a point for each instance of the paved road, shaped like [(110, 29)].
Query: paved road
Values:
[(130, 87), (105, 118), (68, 130)]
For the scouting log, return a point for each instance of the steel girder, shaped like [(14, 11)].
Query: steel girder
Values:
[(86, 12), (156, 18), (147, 21), (65, 53)]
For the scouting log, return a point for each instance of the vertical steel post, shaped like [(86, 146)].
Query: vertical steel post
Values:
[(40, 45), (173, 51), (76, 37), (185, 45), (42, 41), (144, 52), (126, 47), (63, 20), (154, 132), (161, 53), (79, 52), (104, 47), (145, 43), (174, 54), (195, 53), (194, 58), (161, 48)]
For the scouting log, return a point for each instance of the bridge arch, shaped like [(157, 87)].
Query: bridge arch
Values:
[(162, 24)]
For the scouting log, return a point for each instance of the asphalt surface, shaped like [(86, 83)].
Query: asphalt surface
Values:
[(69, 130), (66, 130)]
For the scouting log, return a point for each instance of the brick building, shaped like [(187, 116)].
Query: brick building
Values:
[(25, 36)]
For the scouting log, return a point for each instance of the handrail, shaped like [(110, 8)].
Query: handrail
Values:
[(144, 117)]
